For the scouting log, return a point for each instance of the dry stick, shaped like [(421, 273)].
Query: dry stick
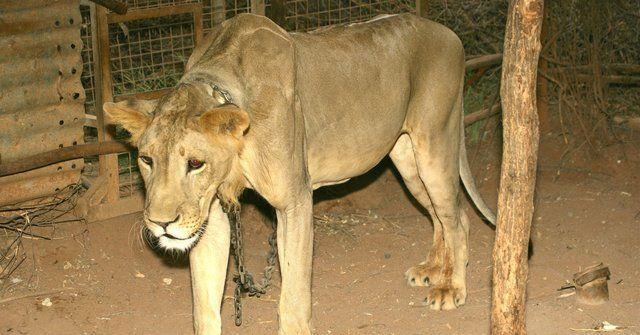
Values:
[(4, 301), (518, 173)]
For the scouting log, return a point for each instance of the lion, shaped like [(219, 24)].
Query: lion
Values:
[(286, 113)]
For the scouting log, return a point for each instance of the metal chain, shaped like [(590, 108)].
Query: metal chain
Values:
[(244, 279)]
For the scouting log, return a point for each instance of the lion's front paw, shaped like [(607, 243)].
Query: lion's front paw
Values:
[(422, 274), (445, 297)]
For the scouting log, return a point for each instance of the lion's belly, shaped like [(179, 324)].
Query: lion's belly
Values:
[(354, 97), (337, 153)]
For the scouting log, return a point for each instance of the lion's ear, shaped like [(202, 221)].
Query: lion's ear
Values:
[(229, 119), (132, 115)]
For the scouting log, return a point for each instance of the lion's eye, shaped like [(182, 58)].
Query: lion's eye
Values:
[(194, 164), (147, 160)]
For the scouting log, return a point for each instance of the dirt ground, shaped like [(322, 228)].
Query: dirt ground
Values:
[(99, 278)]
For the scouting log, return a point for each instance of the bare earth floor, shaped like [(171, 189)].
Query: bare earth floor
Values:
[(368, 233)]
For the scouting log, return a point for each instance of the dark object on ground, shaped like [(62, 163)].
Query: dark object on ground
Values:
[(591, 285)]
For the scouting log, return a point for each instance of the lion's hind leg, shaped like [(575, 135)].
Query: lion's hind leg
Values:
[(430, 171), (437, 158), (429, 271)]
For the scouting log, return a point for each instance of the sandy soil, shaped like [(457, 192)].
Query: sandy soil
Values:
[(101, 280)]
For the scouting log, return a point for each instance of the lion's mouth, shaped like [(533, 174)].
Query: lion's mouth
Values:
[(167, 235), (171, 242)]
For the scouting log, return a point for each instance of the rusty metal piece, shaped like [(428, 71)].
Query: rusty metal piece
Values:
[(41, 105), (591, 285), (27, 189)]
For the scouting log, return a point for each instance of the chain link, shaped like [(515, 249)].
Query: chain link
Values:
[(243, 279)]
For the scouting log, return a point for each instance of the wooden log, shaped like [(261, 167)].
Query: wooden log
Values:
[(482, 114), (518, 173), (61, 155), (631, 122), (614, 67), (482, 61), (611, 79)]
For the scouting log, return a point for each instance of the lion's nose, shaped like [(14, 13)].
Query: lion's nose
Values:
[(164, 224)]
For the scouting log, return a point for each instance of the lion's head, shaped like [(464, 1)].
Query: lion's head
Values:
[(188, 155)]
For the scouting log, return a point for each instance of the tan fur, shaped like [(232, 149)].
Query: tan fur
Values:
[(312, 110)]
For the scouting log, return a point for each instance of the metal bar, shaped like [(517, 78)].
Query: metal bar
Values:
[(108, 163), (61, 155), (149, 13)]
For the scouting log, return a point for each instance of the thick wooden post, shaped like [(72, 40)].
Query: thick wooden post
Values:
[(422, 8), (104, 93), (518, 173)]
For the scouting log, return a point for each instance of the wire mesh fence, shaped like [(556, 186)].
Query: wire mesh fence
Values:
[(305, 15), (150, 54), (216, 11)]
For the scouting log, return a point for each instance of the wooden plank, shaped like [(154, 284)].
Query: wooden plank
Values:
[(114, 5), (123, 206), (143, 95), (149, 13), (104, 93), (197, 25), (258, 7)]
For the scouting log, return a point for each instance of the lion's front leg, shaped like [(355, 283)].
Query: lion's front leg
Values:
[(209, 260), (295, 249)]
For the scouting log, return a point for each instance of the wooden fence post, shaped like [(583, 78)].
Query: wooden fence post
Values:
[(108, 163), (422, 8), (518, 173)]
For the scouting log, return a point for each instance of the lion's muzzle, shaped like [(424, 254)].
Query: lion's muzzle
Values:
[(172, 234)]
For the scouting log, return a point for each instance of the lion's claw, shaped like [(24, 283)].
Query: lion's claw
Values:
[(445, 298), (422, 275)]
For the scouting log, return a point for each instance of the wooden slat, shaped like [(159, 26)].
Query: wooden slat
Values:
[(149, 13), (104, 93)]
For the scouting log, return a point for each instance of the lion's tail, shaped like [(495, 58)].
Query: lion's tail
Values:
[(468, 181)]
